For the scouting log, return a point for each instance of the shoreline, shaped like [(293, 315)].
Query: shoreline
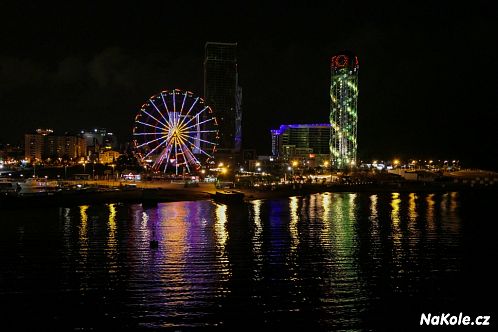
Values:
[(150, 195)]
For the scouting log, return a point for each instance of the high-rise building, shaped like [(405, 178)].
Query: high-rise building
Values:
[(343, 110), (43, 144), (69, 146), (301, 141), (33, 146), (223, 94)]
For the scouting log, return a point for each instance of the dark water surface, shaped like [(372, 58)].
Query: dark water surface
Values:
[(340, 261)]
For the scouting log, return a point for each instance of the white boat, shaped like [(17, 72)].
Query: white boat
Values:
[(36, 185)]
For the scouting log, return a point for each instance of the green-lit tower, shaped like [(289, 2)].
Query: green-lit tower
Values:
[(343, 110)]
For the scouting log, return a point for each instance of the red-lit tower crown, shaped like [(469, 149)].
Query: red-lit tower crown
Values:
[(343, 60)]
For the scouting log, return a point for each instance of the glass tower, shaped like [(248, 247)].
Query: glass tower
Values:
[(223, 94), (343, 110), (313, 138)]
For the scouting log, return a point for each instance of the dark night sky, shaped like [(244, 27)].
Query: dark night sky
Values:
[(428, 73)]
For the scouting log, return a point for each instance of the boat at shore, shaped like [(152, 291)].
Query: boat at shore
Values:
[(228, 196), (38, 185)]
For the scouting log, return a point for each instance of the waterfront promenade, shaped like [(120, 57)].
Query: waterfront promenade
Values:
[(167, 191)]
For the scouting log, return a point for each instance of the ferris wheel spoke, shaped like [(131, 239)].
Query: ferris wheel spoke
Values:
[(191, 156), (174, 101), (166, 153), (198, 124), (200, 131), (152, 126), (167, 159), (154, 149), (190, 109), (157, 120), (166, 107), (185, 156), (183, 123), (144, 134), (158, 161), (183, 102), (176, 158), (148, 142), (164, 124), (199, 148), (203, 140)]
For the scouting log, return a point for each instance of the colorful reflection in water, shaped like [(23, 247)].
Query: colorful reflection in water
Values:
[(220, 224), (294, 218), (334, 261)]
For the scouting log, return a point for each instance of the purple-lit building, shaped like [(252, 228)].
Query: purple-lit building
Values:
[(301, 141)]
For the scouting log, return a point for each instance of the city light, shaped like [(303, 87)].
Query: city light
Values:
[(343, 110), (294, 163)]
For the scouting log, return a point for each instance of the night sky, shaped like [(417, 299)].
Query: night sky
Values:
[(428, 72)]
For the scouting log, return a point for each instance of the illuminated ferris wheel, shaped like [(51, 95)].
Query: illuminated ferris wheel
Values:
[(174, 130)]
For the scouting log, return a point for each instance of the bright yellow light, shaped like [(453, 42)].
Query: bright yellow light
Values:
[(203, 171), (294, 163), (224, 170), (258, 164), (396, 161), (326, 164), (220, 165)]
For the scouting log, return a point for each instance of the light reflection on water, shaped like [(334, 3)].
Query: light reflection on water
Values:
[(326, 261)]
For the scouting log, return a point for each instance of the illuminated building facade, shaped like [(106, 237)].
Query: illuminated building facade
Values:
[(43, 144), (223, 94), (33, 146), (301, 141), (108, 156), (343, 110)]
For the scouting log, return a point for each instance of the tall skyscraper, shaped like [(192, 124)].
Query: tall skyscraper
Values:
[(343, 110), (223, 94)]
